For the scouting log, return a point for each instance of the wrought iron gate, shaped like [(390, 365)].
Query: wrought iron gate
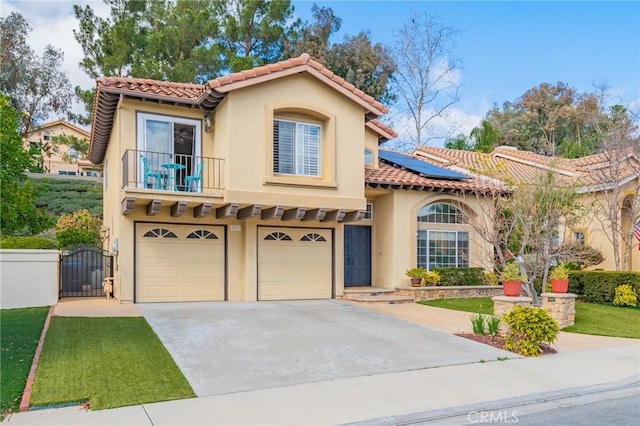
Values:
[(83, 270)]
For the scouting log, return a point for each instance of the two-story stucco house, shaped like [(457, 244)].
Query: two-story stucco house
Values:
[(58, 158), (267, 184)]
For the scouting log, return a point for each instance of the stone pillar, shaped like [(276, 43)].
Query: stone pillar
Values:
[(561, 307), (504, 304)]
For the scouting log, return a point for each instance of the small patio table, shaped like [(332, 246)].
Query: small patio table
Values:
[(172, 169)]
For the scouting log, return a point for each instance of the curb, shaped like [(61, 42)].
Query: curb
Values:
[(26, 395)]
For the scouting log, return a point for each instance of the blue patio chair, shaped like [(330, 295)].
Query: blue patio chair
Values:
[(196, 179), (148, 173)]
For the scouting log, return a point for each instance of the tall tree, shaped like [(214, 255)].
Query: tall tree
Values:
[(426, 76), (485, 137), (37, 86), (253, 31), (368, 66), (552, 120), (18, 215)]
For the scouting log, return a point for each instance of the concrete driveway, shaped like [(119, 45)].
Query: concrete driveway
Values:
[(224, 347)]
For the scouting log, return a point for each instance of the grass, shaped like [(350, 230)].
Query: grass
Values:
[(110, 362), (606, 320), (20, 330), (482, 305), (591, 318)]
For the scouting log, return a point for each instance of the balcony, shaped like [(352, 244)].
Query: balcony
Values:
[(171, 173)]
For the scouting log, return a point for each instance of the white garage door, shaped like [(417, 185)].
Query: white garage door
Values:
[(176, 263), (294, 263)]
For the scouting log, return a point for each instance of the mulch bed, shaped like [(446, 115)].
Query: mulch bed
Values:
[(498, 342)]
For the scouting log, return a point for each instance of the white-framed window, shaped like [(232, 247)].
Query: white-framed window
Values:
[(67, 172), (296, 148), (168, 135), (444, 245), (368, 157)]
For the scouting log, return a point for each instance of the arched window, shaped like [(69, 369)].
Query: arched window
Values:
[(159, 233), (313, 237), (277, 236), (438, 245), (202, 234), (441, 213)]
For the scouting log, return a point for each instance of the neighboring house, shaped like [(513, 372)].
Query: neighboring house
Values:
[(616, 171), (268, 184), (59, 158)]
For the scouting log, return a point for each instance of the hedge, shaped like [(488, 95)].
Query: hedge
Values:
[(31, 243), (460, 276), (600, 286)]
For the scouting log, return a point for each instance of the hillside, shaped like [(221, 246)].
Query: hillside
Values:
[(68, 195)]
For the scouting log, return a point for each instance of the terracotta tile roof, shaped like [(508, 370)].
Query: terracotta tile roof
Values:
[(387, 174), (207, 96), (386, 133), (523, 166), (152, 88), (64, 123)]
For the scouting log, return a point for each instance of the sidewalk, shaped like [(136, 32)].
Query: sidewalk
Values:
[(379, 396)]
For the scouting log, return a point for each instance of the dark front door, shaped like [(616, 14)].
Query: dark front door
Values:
[(357, 256)]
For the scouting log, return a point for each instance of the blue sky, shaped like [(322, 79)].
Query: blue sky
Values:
[(510, 47), (506, 47)]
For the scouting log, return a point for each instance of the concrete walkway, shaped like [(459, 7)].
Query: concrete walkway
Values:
[(451, 321), (94, 307), (585, 365)]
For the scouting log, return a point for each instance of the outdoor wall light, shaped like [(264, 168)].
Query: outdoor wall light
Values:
[(207, 122)]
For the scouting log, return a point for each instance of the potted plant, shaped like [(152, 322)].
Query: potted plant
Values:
[(559, 277), (416, 275), (512, 280), (431, 278)]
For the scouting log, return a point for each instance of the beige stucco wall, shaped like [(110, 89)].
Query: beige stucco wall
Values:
[(28, 278), (598, 230), (395, 236), (241, 135)]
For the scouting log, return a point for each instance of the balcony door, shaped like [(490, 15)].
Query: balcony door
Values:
[(166, 140)]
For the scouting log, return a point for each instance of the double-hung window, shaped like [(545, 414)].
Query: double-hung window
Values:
[(296, 148)]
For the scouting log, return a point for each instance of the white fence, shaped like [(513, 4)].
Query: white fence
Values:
[(28, 278)]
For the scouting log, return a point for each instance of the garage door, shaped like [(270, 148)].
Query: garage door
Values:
[(294, 263), (176, 263)]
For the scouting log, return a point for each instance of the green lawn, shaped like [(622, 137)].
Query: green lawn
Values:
[(481, 305), (591, 318), (110, 362), (20, 330), (606, 320)]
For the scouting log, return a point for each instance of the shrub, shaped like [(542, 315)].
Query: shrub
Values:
[(431, 278), (625, 296), (460, 276), (75, 237), (416, 272), (477, 323), (30, 243), (511, 272), (528, 328), (600, 286), (490, 278), (80, 227)]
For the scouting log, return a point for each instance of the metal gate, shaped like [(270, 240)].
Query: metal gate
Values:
[(83, 270)]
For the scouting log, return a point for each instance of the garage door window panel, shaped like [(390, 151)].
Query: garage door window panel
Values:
[(277, 236), (202, 234), (313, 237), (159, 233)]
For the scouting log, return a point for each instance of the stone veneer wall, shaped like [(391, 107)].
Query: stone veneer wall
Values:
[(449, 292), (561, 307)]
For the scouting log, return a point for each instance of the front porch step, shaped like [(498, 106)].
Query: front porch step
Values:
[(367, 290), (379, 298)]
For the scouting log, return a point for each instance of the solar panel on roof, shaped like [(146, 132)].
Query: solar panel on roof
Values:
[(417, 166)]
